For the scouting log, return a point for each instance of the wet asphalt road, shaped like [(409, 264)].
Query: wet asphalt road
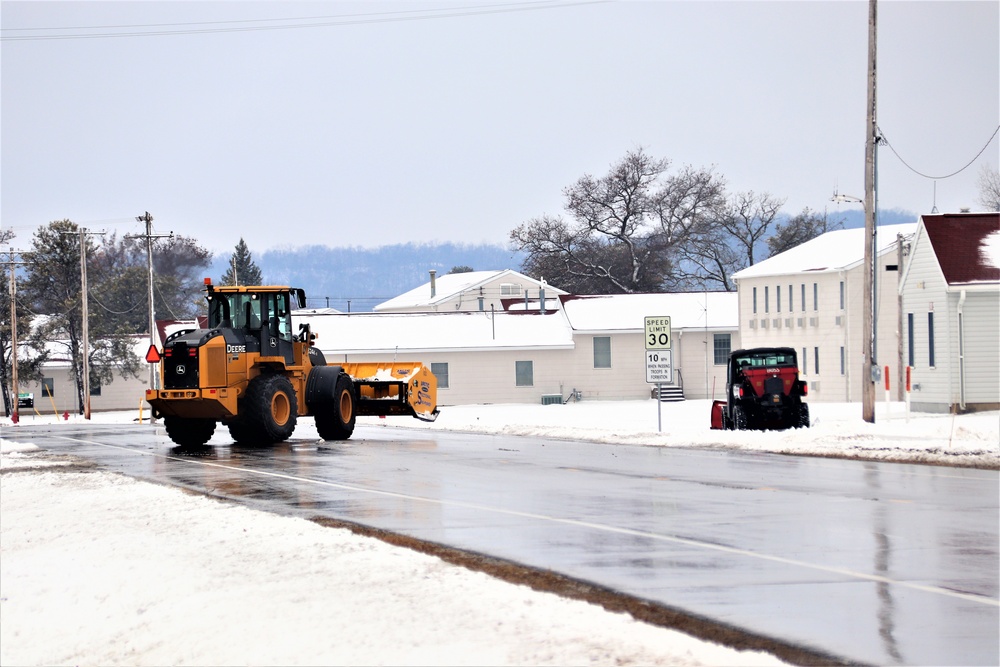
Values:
[(872, 563)]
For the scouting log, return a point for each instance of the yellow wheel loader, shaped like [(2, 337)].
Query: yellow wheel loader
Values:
[(249, 371)]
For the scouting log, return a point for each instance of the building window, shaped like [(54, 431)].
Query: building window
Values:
[(95, 386), (602, 351), (754, 300), (803, 299), (510, 289), (440, 371), (841, 294), (909, 339), (723, 345), (767, 299), (805, 365), (777, 297), (524, 373), (815, 361), (791, 300), (815, 296), (930, 339), (48, 387), (843, 361)]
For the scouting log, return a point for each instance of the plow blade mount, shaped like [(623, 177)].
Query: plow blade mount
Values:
[(394, 388)]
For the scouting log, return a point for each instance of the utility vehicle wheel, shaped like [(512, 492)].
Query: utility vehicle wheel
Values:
[(189, 432), (803, 417), (242, 433), (739, 418), (335, 420), (269, 409)]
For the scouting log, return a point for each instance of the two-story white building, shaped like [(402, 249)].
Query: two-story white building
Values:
[(811, 298)]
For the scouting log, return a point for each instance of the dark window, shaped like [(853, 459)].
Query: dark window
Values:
[(791, 300), (95, 386), (803, 299), (723, 345), (767, 299), (602, 351), (440, 371), (755, 300), (805, 363), (843, 361), (909, 339), (930, 339), (48, 387), (841, 294), (816, 361), (815, 296), (524, 373), (777, 297)]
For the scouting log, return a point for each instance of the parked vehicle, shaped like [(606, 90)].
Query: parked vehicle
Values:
[(763, 391)]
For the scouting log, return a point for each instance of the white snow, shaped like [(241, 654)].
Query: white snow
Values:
[(98, 568)]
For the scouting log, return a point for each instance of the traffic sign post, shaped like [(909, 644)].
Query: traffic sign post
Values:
[(659, 357)]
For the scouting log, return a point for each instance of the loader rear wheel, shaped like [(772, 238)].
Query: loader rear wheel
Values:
[(189, 432), (335, 420), (269, 411)]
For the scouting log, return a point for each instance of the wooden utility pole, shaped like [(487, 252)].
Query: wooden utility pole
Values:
[(85, 327), (13, 334), (868, 327), (149, 236)]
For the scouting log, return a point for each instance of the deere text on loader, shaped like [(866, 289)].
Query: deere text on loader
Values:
[(249, 371)]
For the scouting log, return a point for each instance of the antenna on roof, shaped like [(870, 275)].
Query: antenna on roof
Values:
[(934, 208)]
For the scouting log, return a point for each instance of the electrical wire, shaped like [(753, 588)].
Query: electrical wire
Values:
[(938, 178), (290, 23)]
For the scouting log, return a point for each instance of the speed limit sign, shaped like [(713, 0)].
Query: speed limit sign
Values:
[(657, 332)]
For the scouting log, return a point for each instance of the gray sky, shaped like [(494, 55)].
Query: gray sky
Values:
[(458, 121)]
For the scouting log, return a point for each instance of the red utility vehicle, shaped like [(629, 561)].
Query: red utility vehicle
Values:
[(763, 391)]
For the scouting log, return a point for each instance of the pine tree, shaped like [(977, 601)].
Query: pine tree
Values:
[(242, 269)]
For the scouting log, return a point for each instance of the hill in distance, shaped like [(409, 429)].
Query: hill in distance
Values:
[(356, 279)]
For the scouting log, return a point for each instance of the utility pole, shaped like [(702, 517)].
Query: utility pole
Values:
[(149, 236), (86, 328), (85, 317), (13, 333), (868, 370)]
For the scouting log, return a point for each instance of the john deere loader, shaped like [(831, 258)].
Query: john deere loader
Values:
[(250, 372)]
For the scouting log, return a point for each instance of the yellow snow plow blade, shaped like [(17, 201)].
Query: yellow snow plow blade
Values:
[(394, 388)]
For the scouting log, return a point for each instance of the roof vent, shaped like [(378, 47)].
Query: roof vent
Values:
[(433, 283)]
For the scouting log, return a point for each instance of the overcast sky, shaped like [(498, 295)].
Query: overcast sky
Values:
[(458, 121)]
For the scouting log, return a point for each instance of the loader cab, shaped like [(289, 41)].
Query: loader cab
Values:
[(264, 315)]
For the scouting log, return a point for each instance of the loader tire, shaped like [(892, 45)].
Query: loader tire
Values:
[(739, 418), (189, 432), (336, 419), (269, 411)]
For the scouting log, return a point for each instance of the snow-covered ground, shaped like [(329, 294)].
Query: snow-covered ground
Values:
[(97, 568)]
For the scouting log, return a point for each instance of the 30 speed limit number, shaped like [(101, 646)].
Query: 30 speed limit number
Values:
[(659, 366)]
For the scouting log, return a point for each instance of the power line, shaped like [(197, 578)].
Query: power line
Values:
[(885, 141), (161, 29)]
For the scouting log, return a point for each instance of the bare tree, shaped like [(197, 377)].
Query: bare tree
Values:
[(625, 230), (800, 228), (989, 188)]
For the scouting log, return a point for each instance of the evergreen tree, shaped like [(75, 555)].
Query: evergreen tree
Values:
[(53, 287), (242, 269)]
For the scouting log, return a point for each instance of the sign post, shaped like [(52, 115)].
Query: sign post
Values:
[(659, 362)]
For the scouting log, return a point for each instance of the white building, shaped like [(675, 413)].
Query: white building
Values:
[(483, 291), (811, 298), (950, 293), (587, 346)]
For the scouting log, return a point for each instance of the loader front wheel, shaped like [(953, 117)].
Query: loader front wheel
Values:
[(189, 432), (335, 420), (802, 419), (270, 409)]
